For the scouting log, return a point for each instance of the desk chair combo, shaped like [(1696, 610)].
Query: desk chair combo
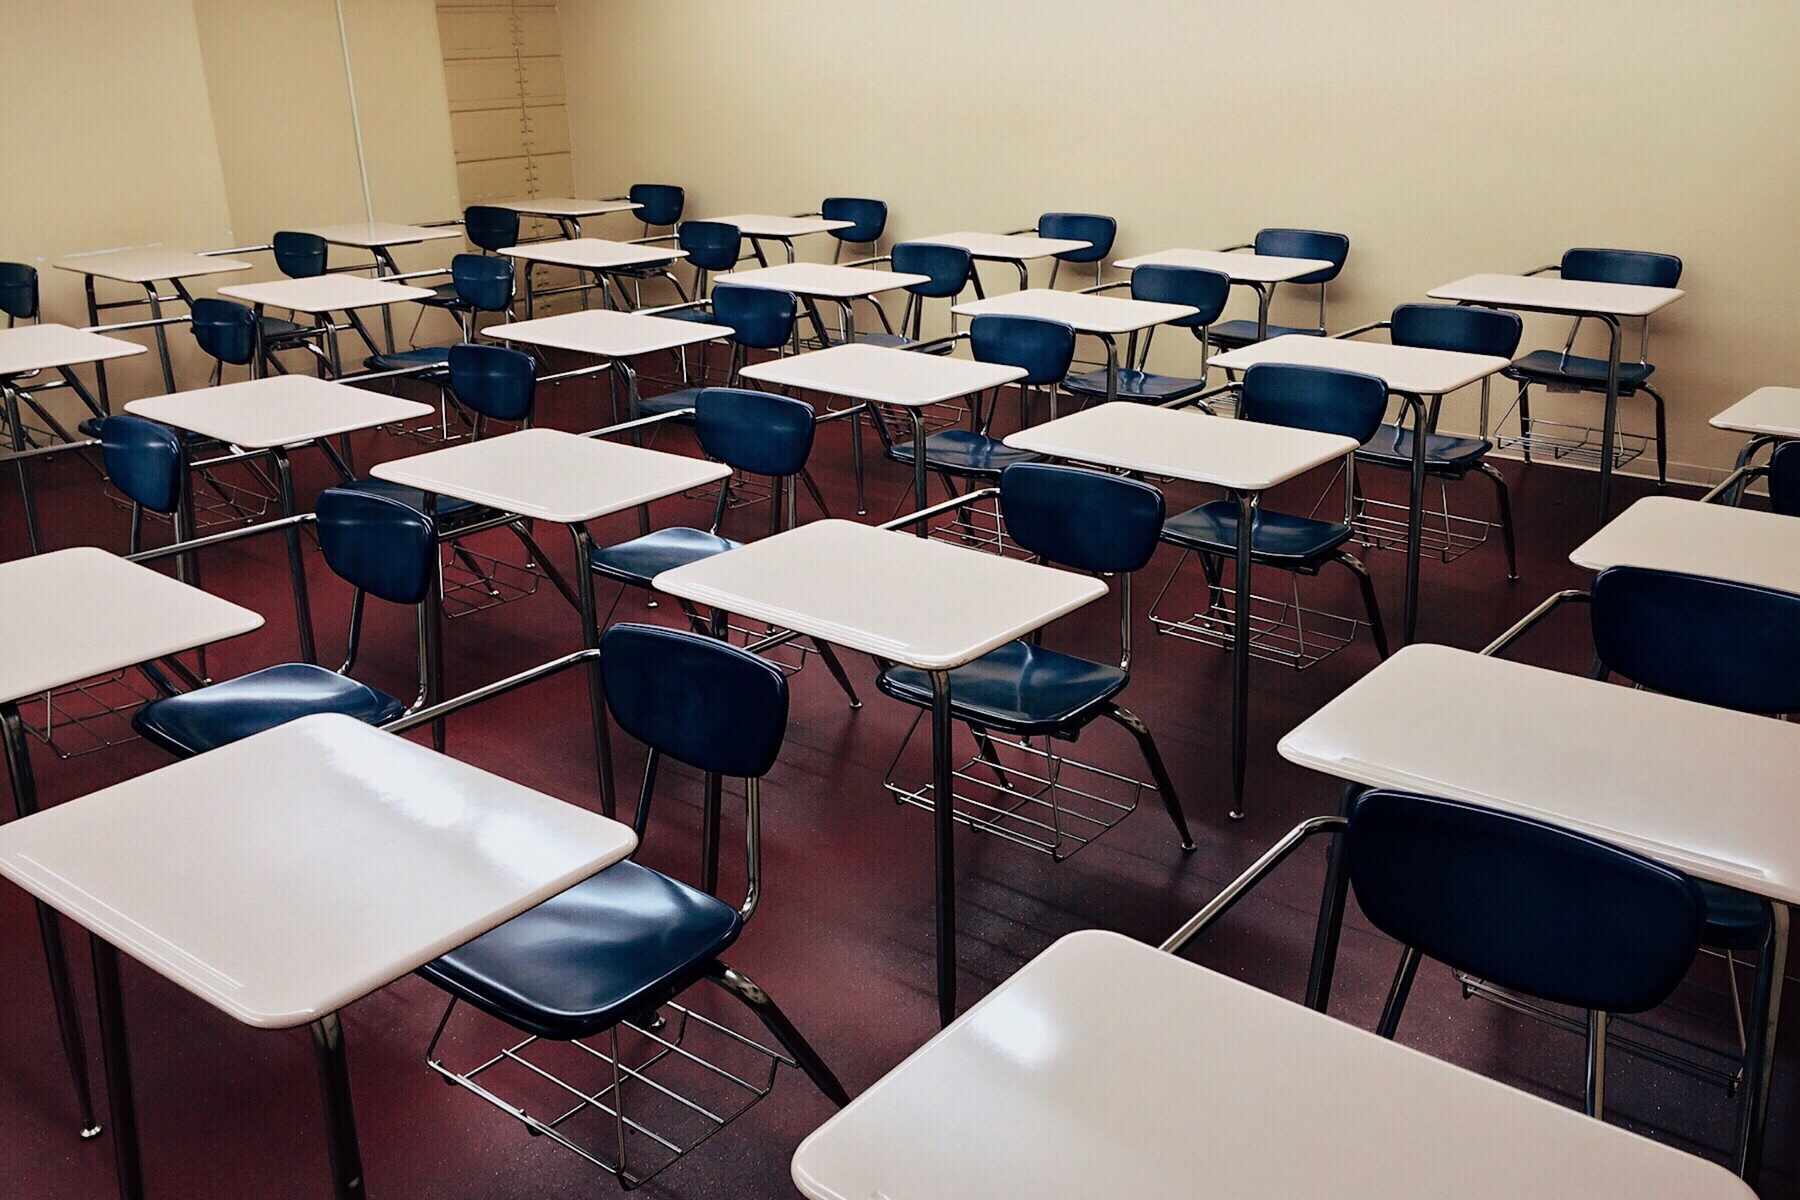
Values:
[(660, 206), (1465, 329), (1521, 903), (19, 293), (759, 319), (479, 283), (1333, 248), (1043, 350), (754, 433), (1565, 371), (1093, 228), (1204, 290), (489, 229), (1082, 520), (1284, 631), (1714, 642), (590, 978)]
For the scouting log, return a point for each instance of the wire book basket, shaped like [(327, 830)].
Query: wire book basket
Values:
[(1282, 630), (87, 717)]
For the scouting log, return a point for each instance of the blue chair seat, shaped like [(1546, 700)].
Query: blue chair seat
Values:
[(442, 506), (1734, 920), (1019, 687), (698, 316), (1243, 332), (1549, 366), (424, 356), (275, 329), (668, 402), (964, 452), (442, 296), (609, 948), (90, 427), (642, 559), (1278, 538), (222, 713), (1135, 385), (1393, 447)]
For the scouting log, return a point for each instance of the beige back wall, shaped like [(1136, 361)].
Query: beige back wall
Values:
[(1444, 138)]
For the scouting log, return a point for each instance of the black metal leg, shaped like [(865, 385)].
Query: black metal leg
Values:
[(1765, 1017), (284, 474), (1264, 294), (1165, 786), (984, 746), (1240, 666), (944, 821), (56, 957), (1609, 430), (590, 638), (1525, 419), (1503, 500), (340, 1114), (115, 1054), (1415, 513), (1370, 604), (776, 1022), (1331, 916), (640, 820), (1398, 992), (161, 334), (1662, 436), (711, 808), (837, 671), (26, 500), (523, 533), (918, 428)]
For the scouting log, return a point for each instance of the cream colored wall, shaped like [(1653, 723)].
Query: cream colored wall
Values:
[(109, 134), (1444, 138)]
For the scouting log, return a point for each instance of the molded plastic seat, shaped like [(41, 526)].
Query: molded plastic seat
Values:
[(642, 559), (1549, 366), (423, 356), (667, 402), (1784, 479), (1734, 920), (661, 203), (963, 451), (1134, 385), (222, 713), (622, 942), (1278, 538), (1392, 447), (1243, 332), (696, 315), (276, 328), (1020, 687), (443, 295)]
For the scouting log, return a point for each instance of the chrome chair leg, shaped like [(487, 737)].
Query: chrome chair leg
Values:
[(1370, 603), (742, 988), (1165, 787), (1662, 439), (830, 658), (1503, 499), (1596, 1065), (1525, 419)]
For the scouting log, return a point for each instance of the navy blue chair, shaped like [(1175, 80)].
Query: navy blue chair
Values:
[(1204, 290), (1318, 398), (18, 292), (1784, 479), (1096, 230), (489, 228), (1523, 905), (619, 947), (226, 332), (300, 255), (1043, 349), (1469, 330), (1085, 521), (868, 221), (148, 463), (1567, 371), (947, 270), (660, 204), (760, 319), (712, 246), (479, 283), (382, 548), (1333, 248)]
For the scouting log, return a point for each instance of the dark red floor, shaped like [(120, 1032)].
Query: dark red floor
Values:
[(844, 938)]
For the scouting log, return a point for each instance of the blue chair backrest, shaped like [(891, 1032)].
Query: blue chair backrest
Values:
[(661, 202), (225, 329), (699, 700), (1643, 267), (1205, 290), (1700, 639), (760, 318), (18, 290), (1466, 328), (489, 227), (300, 255), (144, 460), (710, 245), (1092, 228), (492, 380), (1087, 520), (868, 218), (1784, 479), (1043, 349), (1348, 403), (1523, 904), (377, 543), (757, 432), (483, 281), (1334, 248), (949, 268)]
